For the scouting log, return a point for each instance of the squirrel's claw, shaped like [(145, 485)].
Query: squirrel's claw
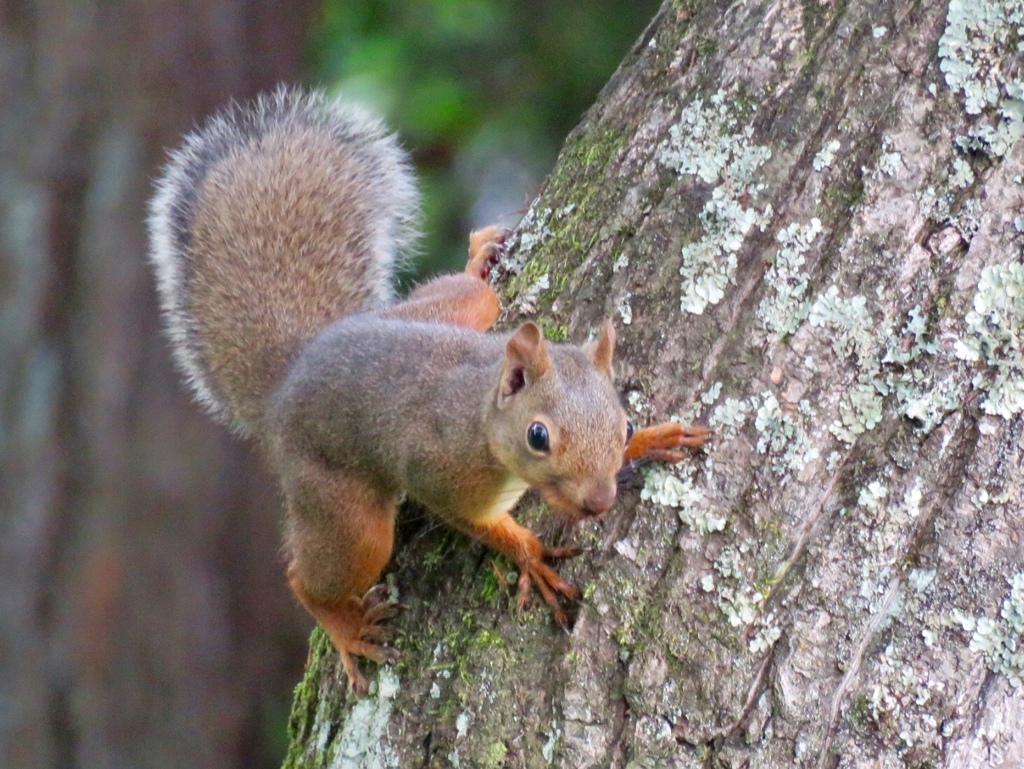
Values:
[(366, 645), (356, 680), (380, 654), (375, 594), (548, 583), (376, 633), (377, 653), (376, 609), (379, 612)]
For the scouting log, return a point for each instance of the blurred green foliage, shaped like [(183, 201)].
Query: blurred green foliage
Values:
[(483, 92)]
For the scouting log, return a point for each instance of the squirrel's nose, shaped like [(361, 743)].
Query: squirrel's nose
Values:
[(600, 497)]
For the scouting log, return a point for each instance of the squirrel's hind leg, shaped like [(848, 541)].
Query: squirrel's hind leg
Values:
[(456, 299), (460, 298), (340, 537)]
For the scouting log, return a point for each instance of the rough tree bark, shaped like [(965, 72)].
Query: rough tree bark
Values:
[(141, 618), (807, 220)]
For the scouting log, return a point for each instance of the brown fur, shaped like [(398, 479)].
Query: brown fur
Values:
[(270, 222), (252, 222)]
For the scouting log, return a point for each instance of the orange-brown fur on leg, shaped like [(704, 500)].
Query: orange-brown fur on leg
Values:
[(459, 299), (661, 442), (340, 536)]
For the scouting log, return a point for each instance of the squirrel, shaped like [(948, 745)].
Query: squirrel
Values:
[(276, 230)]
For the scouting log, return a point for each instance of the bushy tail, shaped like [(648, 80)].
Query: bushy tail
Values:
[(268, 223)]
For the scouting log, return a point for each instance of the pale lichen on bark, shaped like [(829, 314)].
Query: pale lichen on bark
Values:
[(833, 582)]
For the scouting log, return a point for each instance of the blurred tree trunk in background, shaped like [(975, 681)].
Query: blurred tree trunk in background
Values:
[(808, 222), (142, 616)]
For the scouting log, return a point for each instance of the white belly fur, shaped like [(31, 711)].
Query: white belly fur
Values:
[(506, 499)]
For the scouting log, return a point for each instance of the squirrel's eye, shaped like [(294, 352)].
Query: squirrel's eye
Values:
[(629, 431), (537, 438)]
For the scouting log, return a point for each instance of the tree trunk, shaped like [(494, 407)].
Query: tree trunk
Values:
[(807, 221), (140, 624)]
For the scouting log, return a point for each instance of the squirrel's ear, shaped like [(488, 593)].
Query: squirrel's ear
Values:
[(602, 350), (526, 359)]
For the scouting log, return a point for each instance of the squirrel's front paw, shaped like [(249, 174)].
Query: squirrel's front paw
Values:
[(548, 582), (485, 248), (662, 442)]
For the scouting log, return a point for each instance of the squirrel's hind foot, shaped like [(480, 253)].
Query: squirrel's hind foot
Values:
[(354, 627), (486, 247), (367, 642), (374, 609), (377, 608)]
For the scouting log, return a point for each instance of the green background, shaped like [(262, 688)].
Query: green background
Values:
[(482, 92)]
